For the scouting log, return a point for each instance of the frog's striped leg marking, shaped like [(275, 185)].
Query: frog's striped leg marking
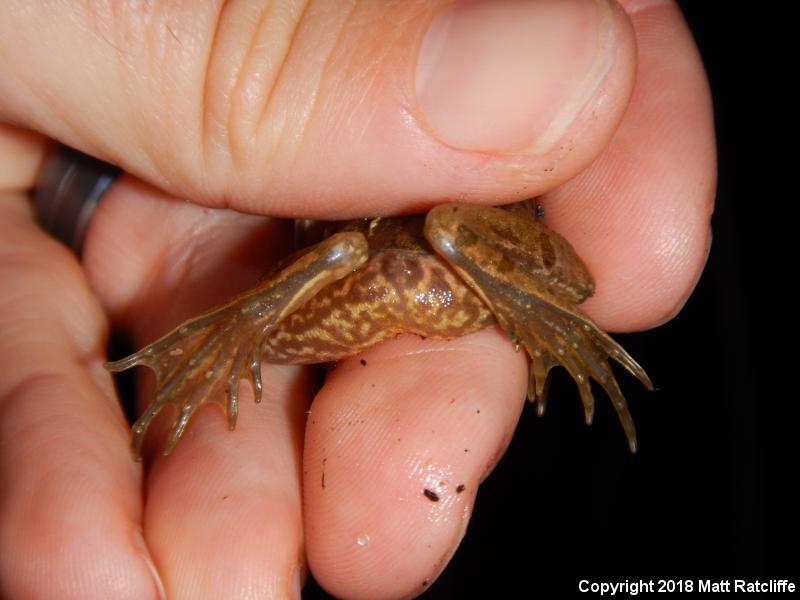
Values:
[(214, 351), (531, 279)]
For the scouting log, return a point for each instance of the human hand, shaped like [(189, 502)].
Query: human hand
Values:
[(341, 133)]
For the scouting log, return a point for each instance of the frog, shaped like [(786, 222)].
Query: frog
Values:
[(453, 271)]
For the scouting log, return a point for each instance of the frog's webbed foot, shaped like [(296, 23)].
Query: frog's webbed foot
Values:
[(531, 278), (214, 351), (552, 337), (192, 363)]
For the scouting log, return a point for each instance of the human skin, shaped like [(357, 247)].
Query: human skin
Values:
[(629, 181)]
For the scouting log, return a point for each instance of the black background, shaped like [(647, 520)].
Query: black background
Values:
[(709, 495)]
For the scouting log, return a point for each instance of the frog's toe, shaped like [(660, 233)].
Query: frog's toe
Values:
[(554, 337), (193, 364)]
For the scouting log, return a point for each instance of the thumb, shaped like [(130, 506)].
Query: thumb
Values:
[(321, 108)]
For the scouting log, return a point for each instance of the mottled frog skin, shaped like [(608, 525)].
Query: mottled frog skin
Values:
[(456, 270)]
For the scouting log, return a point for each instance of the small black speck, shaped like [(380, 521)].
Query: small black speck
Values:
[(431, 495), (466, 449), (225, 497), (363, 362), (478, 411), (425, 583), (461, 487)]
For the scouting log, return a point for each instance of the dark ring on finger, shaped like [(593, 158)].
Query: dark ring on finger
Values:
[(68, 188)]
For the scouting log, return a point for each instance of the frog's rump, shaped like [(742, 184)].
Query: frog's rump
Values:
[(404, 287), (396, 291)]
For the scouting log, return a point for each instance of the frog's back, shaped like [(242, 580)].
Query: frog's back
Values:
[(404, 287)]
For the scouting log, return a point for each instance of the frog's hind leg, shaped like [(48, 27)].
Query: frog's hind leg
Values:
[(531, 279), (202, 357)]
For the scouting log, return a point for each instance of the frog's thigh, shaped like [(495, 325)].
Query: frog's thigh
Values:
[(509, 247), (212, 352), (531, 279)]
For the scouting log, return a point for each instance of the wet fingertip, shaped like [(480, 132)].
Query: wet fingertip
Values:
[(393, 455)]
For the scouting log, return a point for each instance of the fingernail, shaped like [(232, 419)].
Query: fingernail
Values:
[(510, 75), (297, 584), (138, 540)]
